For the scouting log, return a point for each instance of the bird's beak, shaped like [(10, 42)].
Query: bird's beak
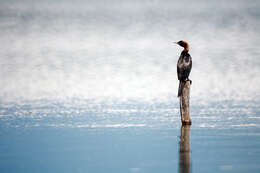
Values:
[(175, 42)]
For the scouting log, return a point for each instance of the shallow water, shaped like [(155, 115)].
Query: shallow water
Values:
[(88, 136)]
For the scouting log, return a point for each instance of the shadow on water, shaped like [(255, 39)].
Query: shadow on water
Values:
[(185, 156)]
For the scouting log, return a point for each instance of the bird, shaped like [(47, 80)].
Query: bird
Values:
[(184, 65)]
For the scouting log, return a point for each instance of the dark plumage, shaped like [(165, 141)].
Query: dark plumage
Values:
[(184, 66)]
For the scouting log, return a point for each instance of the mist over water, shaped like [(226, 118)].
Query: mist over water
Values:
[(124, 50)]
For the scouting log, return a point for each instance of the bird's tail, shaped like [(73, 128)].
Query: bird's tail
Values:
[(181, 85)]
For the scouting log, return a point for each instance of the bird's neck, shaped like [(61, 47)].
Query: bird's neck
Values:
[(186, 47)]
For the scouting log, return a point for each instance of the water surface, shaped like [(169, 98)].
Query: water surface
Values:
[(85, 136)]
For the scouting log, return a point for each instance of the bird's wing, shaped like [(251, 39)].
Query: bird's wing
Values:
[(187, 61), (188, 66)]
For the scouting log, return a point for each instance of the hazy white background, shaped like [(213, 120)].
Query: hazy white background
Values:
[(123, 49)]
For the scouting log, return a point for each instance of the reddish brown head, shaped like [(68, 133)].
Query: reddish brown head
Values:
[(184, 44)]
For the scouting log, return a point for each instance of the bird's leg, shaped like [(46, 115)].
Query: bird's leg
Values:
[(188, 80)]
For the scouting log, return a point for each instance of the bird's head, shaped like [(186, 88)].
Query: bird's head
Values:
[(184, 44)]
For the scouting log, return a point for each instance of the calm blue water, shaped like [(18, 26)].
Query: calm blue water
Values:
[(87, 136)]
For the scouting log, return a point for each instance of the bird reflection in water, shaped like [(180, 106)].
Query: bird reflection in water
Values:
[(185, 156)]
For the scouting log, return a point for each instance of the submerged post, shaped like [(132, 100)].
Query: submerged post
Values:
[(185, 104)]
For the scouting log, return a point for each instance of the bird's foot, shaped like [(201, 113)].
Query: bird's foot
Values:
[(189, 80)]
